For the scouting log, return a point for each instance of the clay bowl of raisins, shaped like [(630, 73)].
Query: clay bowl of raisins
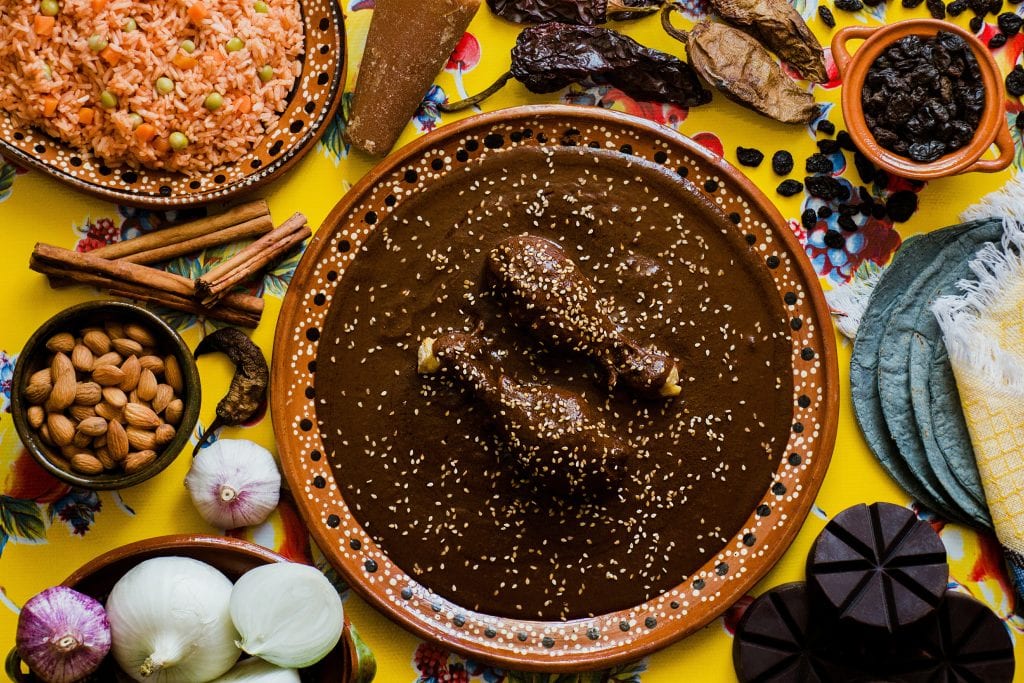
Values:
[(105, 395), (923, 99)]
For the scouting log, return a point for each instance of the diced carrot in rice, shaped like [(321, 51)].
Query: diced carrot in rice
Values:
[(145, 132), (43, 25), (110, 56), (49, 105), (98, 5), (86, 115), (184, 60), (197, 12), (161, 145), (244, 104)]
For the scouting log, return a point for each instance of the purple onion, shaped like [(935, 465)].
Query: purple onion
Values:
[(63, 635)]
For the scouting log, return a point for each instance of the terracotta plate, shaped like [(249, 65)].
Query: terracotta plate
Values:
[(605, 639), (311, 105)]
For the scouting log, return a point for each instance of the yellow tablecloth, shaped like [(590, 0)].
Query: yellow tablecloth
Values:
[(46, 531)]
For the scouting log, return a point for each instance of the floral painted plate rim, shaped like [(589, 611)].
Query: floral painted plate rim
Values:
[(607, 639), (313, 103)]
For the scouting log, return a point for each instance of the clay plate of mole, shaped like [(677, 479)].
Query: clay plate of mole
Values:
[(405, 483)]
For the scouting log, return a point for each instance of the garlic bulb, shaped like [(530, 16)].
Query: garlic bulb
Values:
[(234, 483), (170, 621), (62, 635), (255, 670), (287, 613)]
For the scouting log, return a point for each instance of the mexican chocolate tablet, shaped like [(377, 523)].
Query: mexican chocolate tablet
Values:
[(419, 461), (878, 567), (778, 641)]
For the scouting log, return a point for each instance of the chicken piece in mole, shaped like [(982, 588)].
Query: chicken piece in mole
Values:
[(555, 436), (545, 292)]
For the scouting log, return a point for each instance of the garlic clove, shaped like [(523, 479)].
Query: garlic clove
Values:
[(62, 635), (234, 483), (286, 613), (256, 670)]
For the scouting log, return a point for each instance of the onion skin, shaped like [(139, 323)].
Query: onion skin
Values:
[(63, 635)]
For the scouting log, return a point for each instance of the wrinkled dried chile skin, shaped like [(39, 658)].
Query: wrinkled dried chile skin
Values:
[(923, 97), (549, 57), (582, 12)]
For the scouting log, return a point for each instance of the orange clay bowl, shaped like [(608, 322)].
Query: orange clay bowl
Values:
[(313, 473), (991, 129), (231, 556)]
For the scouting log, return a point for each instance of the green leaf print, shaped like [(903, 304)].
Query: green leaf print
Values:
[(22, 520), (7, 173)]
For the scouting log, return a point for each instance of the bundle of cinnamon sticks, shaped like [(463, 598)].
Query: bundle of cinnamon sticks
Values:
[(122, 268)]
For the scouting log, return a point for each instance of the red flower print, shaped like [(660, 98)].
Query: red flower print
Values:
[(466, 55), (26, 480), (834, 77), (430, 659), (99, 234), (709, 141)]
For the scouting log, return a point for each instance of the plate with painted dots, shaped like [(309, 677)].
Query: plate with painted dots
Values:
[(309, 107), (414, 480)]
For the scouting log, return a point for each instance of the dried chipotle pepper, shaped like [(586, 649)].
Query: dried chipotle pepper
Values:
[(581, 12), (781, 29), (738, 66), (551, 56)]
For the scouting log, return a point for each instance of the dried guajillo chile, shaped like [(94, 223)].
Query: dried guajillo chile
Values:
[(248, 387), (551, 56), (582, 12), (781, 29), (737, 65)]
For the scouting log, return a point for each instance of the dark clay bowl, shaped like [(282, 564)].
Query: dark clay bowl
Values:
[(35, 356), (231, 556)]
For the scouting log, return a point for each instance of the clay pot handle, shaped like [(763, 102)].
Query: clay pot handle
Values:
[(840, 55), (1004, 142), (13, 667)]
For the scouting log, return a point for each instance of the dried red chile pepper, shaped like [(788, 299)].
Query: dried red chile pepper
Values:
[(581, 12), (551, 56)]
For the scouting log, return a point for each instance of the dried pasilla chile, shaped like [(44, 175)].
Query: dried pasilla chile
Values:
[(923, 97), (248, 388), (581, 12), (738, 66), (551, 56), (781, 29)]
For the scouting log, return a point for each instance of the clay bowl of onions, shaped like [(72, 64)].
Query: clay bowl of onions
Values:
[(188, 608)]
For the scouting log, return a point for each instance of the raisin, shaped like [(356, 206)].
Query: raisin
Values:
[(826, 16), (748, 156), (847, 223), (911, 4), (845, 141), (957, 7), (1010, 23), (976, 24), (825, 212), (828, 146), (782, 162), (865, 169), (819, 163), (834, 239), (936, 8), (997, 41), (824, 187), (826, 127), (849, 5), (901, 206), (1019, 121), (788, 188), (809, 219), (1015, 81)]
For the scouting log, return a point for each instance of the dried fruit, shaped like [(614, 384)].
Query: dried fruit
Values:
[(997, 41), (849, 5), (826, 16), (788, 188), (901, 206), (1010, 23), (819, 163), (936, 8), (782, 162), (748, 156), (826, 127), (956, 8), (1015, 81), (823, 187)]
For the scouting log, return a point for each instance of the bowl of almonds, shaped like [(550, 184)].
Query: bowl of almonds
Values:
[(105, 395)]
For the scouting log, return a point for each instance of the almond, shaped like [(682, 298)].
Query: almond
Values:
[(114, 329), (133, 397), (36, 416), (37, 393), (81, 440), (82, 358), (154, 363), (127, 347), (109, 412), (174, 411), (132, 370), (164, 434), (172, 374), (65, 385), (139, 334), (93, 426), (97, 341), (99, 441), (139, 415), (43, 376), (139, 459), (103, 455), (111, 358), (140, 439), (88, 393), (62, 430), (114, 396), (117, 440), (44, 434), (164, 395), (86, 464), (80, 412), (107, 375), (147, 385), (61, 343)]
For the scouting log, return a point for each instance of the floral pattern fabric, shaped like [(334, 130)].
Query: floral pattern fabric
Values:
[(48, 529)]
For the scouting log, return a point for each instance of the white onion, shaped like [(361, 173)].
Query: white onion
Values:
[(255, 670)]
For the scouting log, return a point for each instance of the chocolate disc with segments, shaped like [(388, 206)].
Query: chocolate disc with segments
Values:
[(878, 567)]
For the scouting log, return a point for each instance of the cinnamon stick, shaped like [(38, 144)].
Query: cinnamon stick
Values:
[(187, 238), (213, 286), (72, 265)]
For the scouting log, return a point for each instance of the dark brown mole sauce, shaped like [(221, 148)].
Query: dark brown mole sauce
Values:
[(415, 458)]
